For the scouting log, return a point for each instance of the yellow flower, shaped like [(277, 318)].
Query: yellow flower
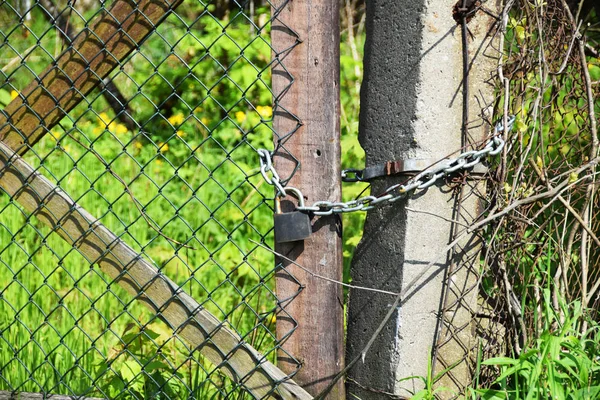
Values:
[(138, 145), (117, 128), (573, 176), (13, 94), (55, 135), (204, 120), (104, 118), (157, 167), (180, 133), (176, 119), (240, 116), (163, 147), (274, 319), (265, 111)]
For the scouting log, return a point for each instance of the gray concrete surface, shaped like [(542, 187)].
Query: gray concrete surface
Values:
[(411, 107)]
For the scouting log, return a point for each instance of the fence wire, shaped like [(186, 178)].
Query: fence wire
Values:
[(160, 147), (539, 265)]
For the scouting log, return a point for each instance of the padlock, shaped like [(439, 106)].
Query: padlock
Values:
[(291, 226)]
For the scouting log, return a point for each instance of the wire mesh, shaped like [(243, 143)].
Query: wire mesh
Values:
[(538, 268), (162, 151)]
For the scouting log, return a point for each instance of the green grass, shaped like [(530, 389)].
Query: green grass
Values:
[(552, 341), (562, 363), (64, 326), (59, 318)]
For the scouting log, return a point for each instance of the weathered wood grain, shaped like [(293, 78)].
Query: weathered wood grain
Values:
[(96, 51), (213, 338), (312, 322), (66, 31), (6, 395)]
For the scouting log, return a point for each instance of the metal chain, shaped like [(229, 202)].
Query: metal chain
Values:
[(266, 166), (421, 181)]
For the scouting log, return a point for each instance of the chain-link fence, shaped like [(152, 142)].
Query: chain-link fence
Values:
[(538, 278), (132, 197), (134, 207)]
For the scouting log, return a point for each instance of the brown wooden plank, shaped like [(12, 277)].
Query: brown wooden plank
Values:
[(213, 338), (6, 395), (96, 51), (66, 31), (317, 312)]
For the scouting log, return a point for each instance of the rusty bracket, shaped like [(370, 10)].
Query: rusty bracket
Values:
[(401, 167)]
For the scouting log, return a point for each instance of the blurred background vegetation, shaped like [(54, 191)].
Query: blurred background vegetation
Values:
[(177, 125)]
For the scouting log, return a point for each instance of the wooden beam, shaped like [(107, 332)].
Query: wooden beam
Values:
[(66, 31), (306, 83), (213, 338), (7, 395), (96, 51)]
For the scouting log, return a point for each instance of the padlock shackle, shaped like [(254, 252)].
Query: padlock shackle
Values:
[(292, 190)]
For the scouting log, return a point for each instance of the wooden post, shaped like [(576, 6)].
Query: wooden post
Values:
[(305, 39)]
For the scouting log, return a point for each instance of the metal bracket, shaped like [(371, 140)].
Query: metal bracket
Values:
[(411, 166)]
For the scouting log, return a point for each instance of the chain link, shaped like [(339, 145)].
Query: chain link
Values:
[(352, 175), (421, 181), (266, 166)]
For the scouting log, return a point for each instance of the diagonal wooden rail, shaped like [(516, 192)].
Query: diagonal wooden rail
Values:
[(67, 33), (94, 53), (220, 344), (111, 37), (7, 395)]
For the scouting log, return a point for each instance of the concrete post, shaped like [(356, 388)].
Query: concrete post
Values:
[(411, 107)]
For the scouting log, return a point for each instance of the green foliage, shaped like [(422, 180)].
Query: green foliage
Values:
[(353, 156), (430, 391), (201, 99), (555, 352), (562, 363), (193, 171)]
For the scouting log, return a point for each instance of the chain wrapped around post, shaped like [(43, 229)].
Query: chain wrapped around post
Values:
[(421, 181)]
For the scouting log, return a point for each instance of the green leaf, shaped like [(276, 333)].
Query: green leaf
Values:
[(491, 394), (131, 370), (594, 72), (500, 361), (591, 392), (153, 335), (420, 395), (115, 386), (154, 365), (4, 97)]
